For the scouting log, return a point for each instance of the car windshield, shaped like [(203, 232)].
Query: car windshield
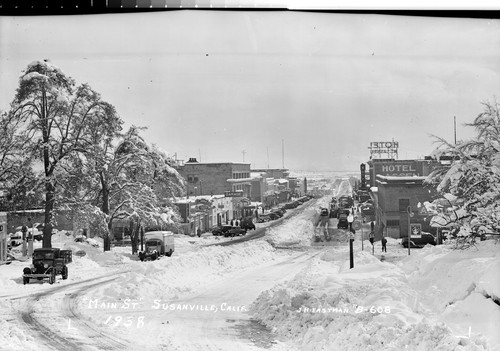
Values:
[(43, 256)]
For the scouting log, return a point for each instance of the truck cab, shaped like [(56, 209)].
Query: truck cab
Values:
[(157, 243), (46, 264)]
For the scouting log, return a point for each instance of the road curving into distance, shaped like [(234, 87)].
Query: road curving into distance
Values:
[(261, 232), (52, 319)]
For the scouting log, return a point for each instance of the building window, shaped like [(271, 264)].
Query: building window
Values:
[(403, 204), (393, 222), (191, 178), (241, 175)]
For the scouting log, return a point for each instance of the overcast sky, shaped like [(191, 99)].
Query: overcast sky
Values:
[(213, 84)]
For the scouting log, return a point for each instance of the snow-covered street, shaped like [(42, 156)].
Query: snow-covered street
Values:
[(258, 295)]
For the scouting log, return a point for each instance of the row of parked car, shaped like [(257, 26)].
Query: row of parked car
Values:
[(280, 211), (241, 227), (235, 229)]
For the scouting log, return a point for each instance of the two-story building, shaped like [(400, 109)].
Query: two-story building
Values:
[(204, 212), (216, 178), (397, 201)]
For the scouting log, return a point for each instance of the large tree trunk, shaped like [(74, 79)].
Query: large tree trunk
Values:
[(105, 209), (134, 235), (107, 237), (49, 214)]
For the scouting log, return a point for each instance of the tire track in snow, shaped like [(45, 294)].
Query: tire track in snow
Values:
[(57, 337)]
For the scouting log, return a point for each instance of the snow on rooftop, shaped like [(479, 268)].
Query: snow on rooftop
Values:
[(405, 178)]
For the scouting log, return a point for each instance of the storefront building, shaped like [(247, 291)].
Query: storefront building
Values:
[(397, 201), (216, 178)]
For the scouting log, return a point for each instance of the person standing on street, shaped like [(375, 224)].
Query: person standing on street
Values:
[(384, 244), (371, 236)]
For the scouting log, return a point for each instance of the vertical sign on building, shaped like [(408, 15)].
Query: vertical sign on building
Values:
[(362, 168), (3, 236)]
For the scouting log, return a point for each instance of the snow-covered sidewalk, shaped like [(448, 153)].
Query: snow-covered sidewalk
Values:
[(435, 299)]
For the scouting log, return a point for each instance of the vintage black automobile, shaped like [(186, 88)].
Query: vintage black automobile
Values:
[(343, 223), (228, 230), (419, 242), (47, 264), (247, 223)]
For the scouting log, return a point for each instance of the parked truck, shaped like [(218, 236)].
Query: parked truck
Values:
[(157, 243)]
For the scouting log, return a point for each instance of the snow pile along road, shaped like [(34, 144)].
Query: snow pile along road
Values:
[(297, 230), (374, 306), (170, 278)]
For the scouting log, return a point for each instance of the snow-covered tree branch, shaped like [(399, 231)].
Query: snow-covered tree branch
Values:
[(473, 176)]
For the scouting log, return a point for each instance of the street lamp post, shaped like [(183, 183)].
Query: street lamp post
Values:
[(362, 239), (350, 219), (410, 214)]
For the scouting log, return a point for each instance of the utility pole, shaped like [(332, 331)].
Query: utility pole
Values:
[(455, 128), (283, 152), (268, 157)]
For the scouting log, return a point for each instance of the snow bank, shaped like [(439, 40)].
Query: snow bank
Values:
[(460, 286), (292, 232), (17, 338), (168, 278), (373, 306), (297, 230)]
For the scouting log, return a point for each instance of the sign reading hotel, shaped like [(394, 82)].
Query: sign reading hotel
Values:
[(398, 168)]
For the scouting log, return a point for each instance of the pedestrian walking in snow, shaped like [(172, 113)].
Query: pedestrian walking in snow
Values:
[(384, 244), (372, 237)]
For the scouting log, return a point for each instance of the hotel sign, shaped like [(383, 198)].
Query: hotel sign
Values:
[(389, 148), (382, 147), (399, 169)]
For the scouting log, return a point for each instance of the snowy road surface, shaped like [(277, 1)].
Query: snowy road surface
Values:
[(51, 318), (217, 318)]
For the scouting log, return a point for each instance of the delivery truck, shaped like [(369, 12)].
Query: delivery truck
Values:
[(156, 244)]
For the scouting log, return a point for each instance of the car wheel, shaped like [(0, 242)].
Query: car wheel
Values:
[(26, 280), (154, 256), (52, 278)]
